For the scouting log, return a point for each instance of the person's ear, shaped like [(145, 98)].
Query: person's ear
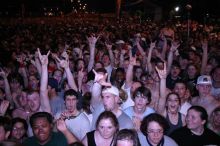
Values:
[(203, 122), (7, 134)]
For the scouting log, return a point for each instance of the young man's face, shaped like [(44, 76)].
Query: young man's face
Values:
[(204, 89), (180, 89), (42, 130), (71, 102), (34, 101), (109, 101)]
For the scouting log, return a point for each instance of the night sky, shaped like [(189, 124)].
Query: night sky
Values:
[(199, 6)]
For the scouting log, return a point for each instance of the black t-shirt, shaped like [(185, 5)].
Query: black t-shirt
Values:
[(184, 137)]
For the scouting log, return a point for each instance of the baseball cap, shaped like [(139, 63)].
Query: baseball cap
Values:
[(204, 79), (113, 90), (53, 83)]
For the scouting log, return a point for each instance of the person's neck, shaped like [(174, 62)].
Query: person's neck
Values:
[(117, 112), (139, 110), (74, 112), (198, 131)]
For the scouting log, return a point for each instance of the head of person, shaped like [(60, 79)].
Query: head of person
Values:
[(107, 124), (19, 129), (33, 82), (41, 124), (192, 70), (215, 117), (204, 84), (71, 99), (106, 60), (135, 85), (180, 88), (137, 72), (110, 98), (153, 127), (141, 97), (173, 102), (196, 118), (215, 73), (120, 75), (33, 100), (5, 128), (58, 74), (175, 70), (98, 65), (15, 81), (52, 86), (80, 64), (126, 137)]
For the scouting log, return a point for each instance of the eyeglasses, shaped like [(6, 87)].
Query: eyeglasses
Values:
[(18, 129), (151, 131)]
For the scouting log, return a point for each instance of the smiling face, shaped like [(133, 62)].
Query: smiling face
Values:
[(42, 130), (194, 121), (173, 103), (18, 131), (34, 101), (106, 128)]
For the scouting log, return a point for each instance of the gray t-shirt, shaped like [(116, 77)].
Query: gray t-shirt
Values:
[(123, 120)]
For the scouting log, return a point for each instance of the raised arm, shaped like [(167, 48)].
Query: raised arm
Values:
[(129, 73), (204, 56), (110, 52), (162, 100), (173, 49), (61, 126), (7, 87), (65, 64), (99, 81), (92, 42), (149, 65), (45, 104)]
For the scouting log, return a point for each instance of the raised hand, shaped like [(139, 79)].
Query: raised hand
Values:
[(61, 125), (92, 40), (43, 58), (162, 72), (174, 46), (133, 61), (101, 79), (152, 45)]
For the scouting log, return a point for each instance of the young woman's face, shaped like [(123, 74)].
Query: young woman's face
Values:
[(173, 103), (106, 128), (18, 131)]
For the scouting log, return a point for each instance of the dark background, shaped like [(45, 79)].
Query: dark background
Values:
[(200, 8)]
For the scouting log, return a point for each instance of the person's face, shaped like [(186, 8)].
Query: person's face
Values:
[(140, 101), (34, 101), (191, 71), (216, 75), (154, 133), (33, 82), (180, 89), (204, 89), (22, 99), (15, 85), (71, 102), (138, 72), (216, 118), (98, 65), (42, 130), (173, 103), (175, 71), (106, 60), (193, 120), (109, 101), (125, 65), (120, 76), (32, 69), (57, 75), (80, 65), (106, 128), (18, 131), (124, 142)]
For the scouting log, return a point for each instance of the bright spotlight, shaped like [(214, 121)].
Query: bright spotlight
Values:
[(177, 9)]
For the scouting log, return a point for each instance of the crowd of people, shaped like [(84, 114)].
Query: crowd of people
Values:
[(109, 83)]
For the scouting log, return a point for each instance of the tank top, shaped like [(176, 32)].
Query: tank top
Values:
[(172, 126), (91, 138)]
